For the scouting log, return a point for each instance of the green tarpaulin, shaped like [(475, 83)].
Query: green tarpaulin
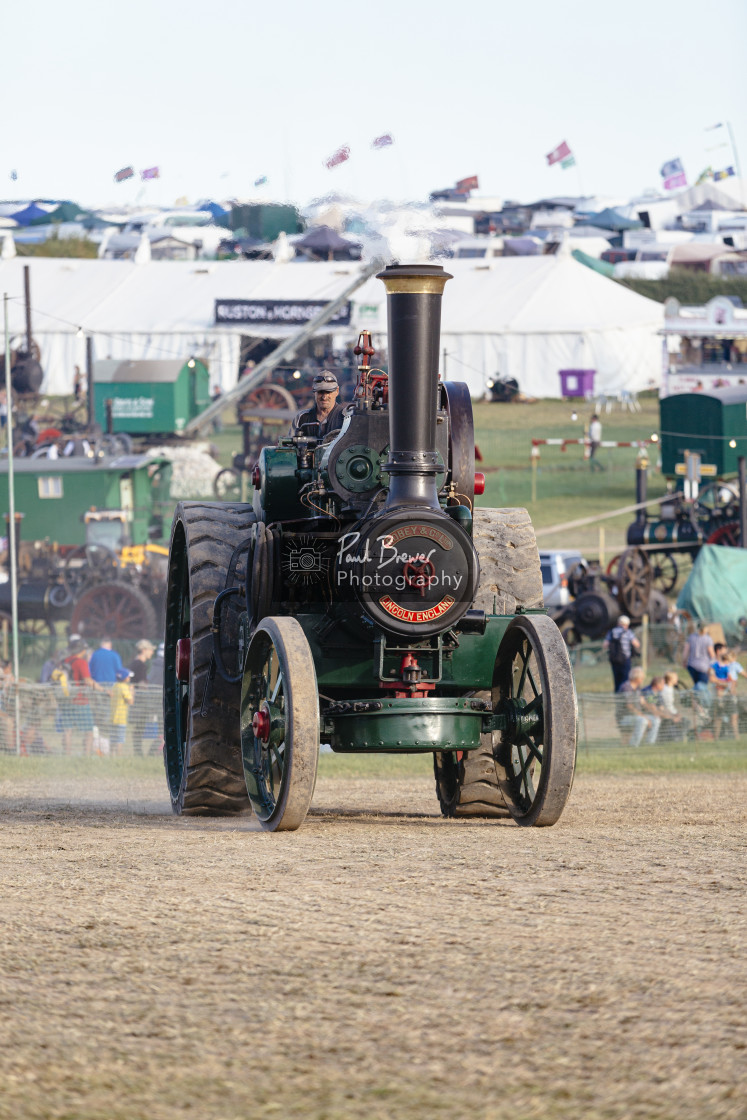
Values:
[(603, 267), (716, 590)]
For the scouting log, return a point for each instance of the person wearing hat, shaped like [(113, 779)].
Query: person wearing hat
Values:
[(122, 698), (619, 646), (326, 414)]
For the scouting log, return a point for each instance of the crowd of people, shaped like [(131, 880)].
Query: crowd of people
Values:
[(98, 697), (663, 709)]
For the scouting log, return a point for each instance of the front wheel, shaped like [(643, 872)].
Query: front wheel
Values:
[(280, 724), (535, 756)]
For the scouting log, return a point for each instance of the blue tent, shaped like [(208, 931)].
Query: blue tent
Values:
[(26, 217), (220, 216)]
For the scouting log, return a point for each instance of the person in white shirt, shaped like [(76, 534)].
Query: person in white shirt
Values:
[(595, 439)]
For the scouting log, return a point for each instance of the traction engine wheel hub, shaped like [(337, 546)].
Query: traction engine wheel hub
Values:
[(183, 648), (261, 724)]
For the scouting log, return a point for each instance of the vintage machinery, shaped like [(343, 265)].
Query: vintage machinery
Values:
[(703, 440), (600, 597), (362, 601)]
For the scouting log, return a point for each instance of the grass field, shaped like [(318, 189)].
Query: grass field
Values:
[(700, 757)]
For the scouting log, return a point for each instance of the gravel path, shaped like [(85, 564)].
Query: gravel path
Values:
[(381, 962)]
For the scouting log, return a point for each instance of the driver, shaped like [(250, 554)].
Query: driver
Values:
[(326, 414)]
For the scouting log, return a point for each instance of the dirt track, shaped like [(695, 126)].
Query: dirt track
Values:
[(376, 964)]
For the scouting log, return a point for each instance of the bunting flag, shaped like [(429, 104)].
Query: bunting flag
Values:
[(383, 141), (711, 127), (150, 173), (705, 175), (569, 161), (468, 184), (557, 154), (261, 181), (337, 157), (673, 174), (727, 171), (125, 173)]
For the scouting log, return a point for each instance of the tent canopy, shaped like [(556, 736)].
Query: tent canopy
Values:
[(716, 589), (65, 212), (29, 214), (611, 219), (523, 317)]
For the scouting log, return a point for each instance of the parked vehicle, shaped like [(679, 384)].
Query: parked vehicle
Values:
[(556, 564)]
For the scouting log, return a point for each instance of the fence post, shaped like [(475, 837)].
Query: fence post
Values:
[(644, 644), (535, 462)]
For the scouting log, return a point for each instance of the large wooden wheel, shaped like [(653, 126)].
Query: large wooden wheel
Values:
[(280, 724), (115, 610), (634, 581), (665, 571), (201, 710)]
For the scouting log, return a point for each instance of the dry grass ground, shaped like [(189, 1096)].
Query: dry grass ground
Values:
[(381, 962)]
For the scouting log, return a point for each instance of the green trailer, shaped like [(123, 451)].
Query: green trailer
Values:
[(710, 424), (149, 398), (54, 495)]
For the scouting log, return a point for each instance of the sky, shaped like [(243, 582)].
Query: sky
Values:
[(219, 96)]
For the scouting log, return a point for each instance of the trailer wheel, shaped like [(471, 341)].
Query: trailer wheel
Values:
[(280, 724), (510, 577), (202, 751)]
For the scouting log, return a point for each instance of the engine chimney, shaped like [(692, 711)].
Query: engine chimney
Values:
[(414, 328)]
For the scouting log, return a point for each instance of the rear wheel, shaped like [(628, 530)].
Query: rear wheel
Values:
[(203, 752), (510, 577)]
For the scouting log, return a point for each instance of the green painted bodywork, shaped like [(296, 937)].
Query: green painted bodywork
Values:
[(54, 494), (149, 406), (704, 423), (412, 726), (278, 498)]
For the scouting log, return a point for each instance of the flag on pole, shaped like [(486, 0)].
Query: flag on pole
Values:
[(14, 175), (673, 174), (727, 171), (557, 154), (125, 173), (261, 181), (569, 161), (150, 173), (384, 141), (711, 127), (468, 184), (337, 157), (671, 167), (705, 175)]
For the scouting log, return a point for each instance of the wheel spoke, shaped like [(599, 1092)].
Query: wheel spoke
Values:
[(524, 668)]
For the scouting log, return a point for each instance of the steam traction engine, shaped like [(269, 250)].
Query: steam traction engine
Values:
[(363, 602)]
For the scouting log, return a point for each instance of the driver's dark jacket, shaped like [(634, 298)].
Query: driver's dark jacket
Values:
[(317, 429)]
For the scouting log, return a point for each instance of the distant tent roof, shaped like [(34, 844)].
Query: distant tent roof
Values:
[(323, 239), (220, 215), (604, 267), (65, 212), (26, 216), (612, 219)]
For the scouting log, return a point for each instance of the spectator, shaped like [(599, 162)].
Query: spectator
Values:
[(122, 699), (699, 654), (595, 440), (724, 688), (619, 645), (666, 697), (83, 688), (139, 665), (59, 679), (636, 712), (105, 663), (155, 673), (735, 669)]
